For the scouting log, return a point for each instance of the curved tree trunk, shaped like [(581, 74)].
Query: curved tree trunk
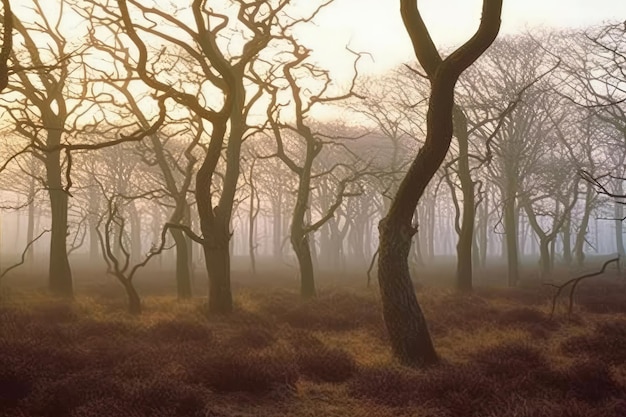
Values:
[(305, 261), (134, 302), (405, 322)]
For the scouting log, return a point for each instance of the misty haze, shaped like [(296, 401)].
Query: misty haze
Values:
[(312, 208)]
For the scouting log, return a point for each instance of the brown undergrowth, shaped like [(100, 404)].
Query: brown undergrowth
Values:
[(280, 356)]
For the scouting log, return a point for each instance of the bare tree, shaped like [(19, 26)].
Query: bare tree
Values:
[(112, 234), (410, 339), (207, 43)]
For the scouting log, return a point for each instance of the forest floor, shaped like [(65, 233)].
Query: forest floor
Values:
[(280, 356)]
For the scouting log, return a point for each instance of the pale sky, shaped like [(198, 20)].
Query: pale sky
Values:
[(376, 26)]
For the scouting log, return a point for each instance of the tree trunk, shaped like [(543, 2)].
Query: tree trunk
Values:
[(510, 230), (305, 261), (410, 339), (484, 241), (545, 260), (251, 223), (567, 241), (183, 265), (581, 236), (217, 260), (405, 322), (619, 227), (277, 229), (134, 302), (466, 235), (30, 228), (135, 233), (92, 219), (60, 273)]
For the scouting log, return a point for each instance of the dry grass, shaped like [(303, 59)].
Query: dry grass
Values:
[(279, 356)]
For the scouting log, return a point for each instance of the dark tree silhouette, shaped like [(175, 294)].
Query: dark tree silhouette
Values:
[(7, 43), (404, 319)]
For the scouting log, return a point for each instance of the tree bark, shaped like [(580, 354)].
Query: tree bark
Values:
[(30, 228), (60, 273), (567, 242), (299, 236), (405, 322), (134, 302), (619, 227), (217, 261), (581, 236), (466, 235), (510, 231), (183, 264), (135, 233)]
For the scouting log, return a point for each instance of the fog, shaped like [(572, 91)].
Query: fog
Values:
[(231, 208)]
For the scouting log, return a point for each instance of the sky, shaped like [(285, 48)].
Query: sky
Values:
[(376, 26)]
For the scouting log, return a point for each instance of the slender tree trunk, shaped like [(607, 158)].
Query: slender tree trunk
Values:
[(60, 273), (619, 227), (510, 231), (567, 241), (581, 236), (305, 261), (466, 235), (30, 232), (277, 227), (183, 265), (405, 322), (134, 301), (94, 246), (251, 222), (430, 227), (135, 233), (545, 260)]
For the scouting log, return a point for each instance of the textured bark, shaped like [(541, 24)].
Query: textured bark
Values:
[(405, 322)]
